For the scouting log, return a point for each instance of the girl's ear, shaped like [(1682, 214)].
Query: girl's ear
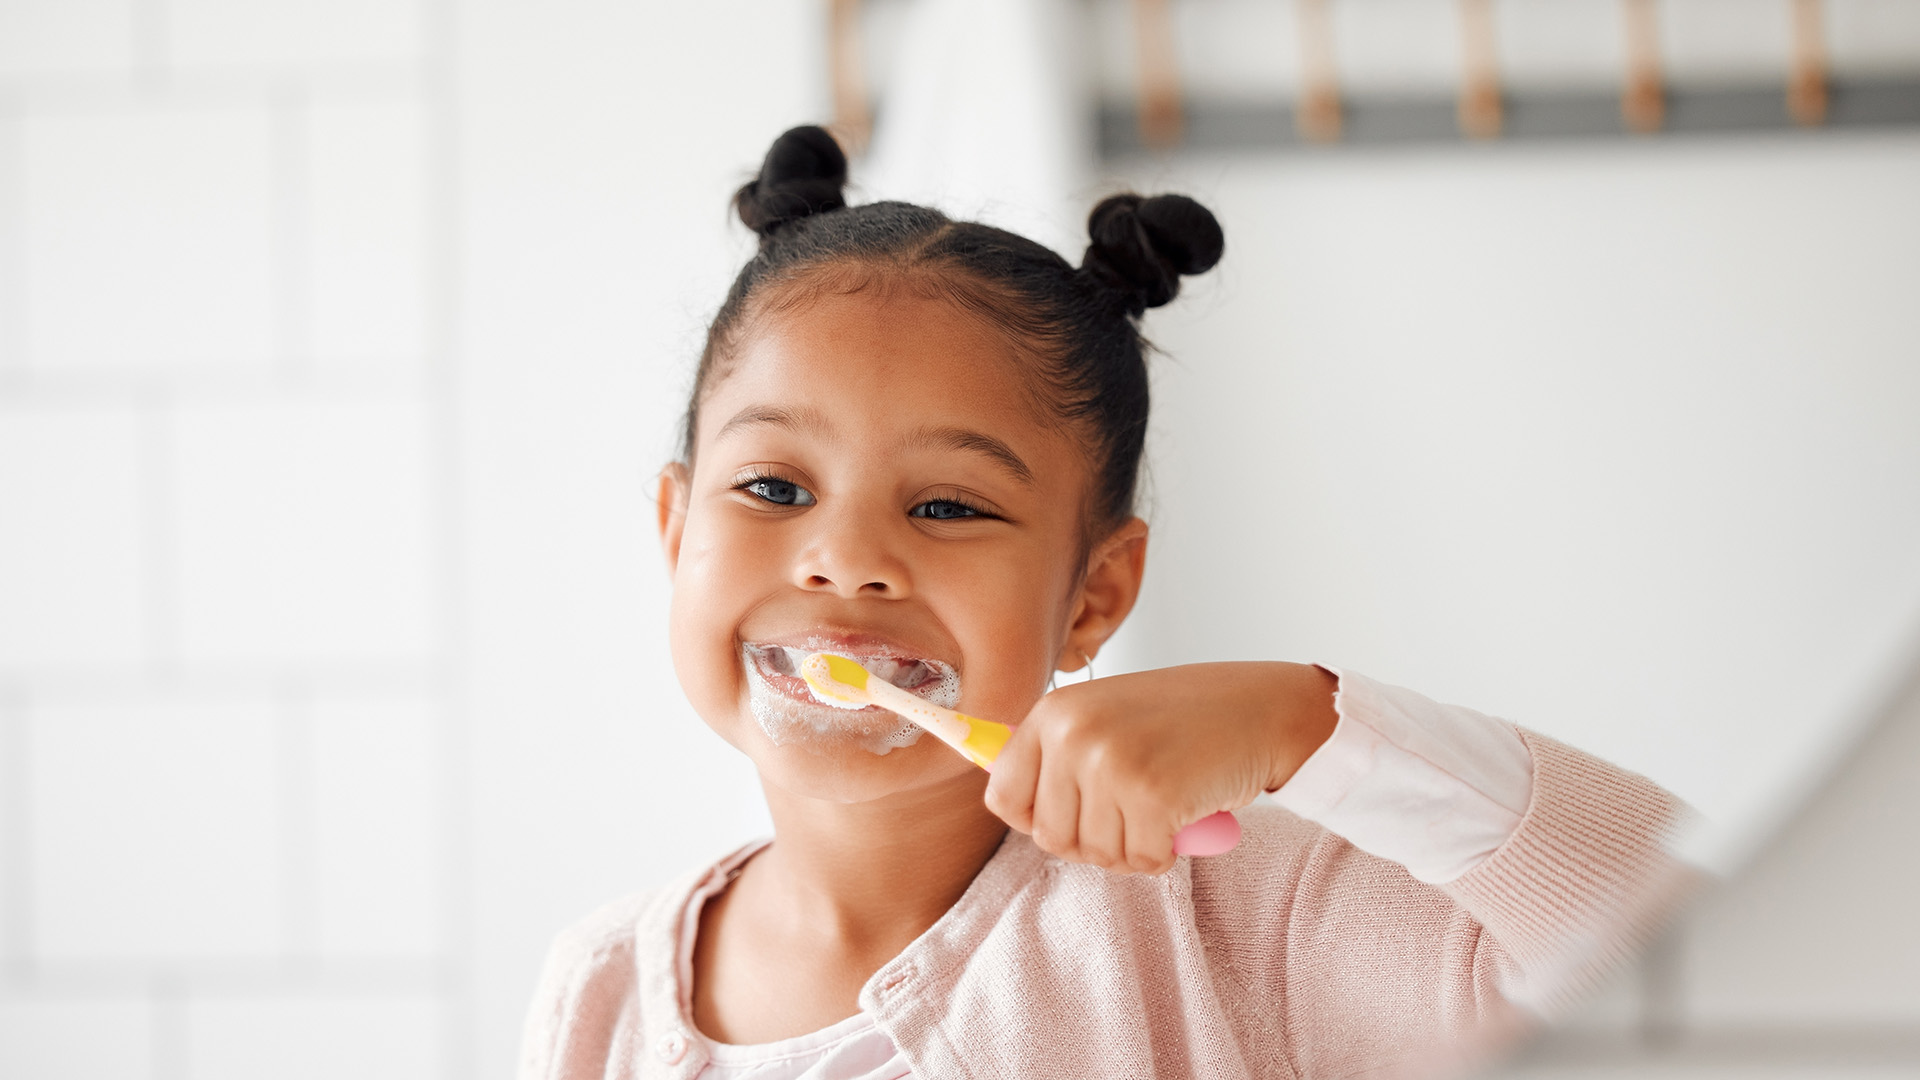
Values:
[(671, 504), (1114, 571)]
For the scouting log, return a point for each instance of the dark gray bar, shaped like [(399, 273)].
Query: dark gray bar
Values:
[(1529, 115)]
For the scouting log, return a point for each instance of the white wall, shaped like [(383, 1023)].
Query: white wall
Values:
[(1615, 440), (338, 344), (603, 141), (229, 816), (1619, 442)]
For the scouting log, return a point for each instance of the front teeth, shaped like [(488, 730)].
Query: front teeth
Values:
[(906, 674)]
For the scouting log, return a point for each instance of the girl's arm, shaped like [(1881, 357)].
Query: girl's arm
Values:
[(1506, 908), (1467, 865)]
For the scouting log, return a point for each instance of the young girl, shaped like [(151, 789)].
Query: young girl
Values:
[(915, 441)]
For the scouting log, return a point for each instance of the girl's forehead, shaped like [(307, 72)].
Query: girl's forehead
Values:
[(890, 359)]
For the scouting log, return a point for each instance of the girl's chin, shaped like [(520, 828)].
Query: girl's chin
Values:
[(849, 775), (829, 732)]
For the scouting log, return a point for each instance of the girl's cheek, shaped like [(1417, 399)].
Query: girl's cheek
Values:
[(692, 653), (1010, 632), (701, 618)]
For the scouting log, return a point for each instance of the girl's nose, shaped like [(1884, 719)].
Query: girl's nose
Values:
[(850, 557)]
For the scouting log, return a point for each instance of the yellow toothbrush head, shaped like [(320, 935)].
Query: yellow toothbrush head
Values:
[(836, 680)]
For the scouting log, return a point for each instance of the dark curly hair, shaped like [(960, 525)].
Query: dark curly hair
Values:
[(1078, 326)]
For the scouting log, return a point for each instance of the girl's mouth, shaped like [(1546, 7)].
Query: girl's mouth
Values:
[(791, 716), (779, 666)]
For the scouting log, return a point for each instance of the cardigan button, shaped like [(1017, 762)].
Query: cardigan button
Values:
[(672, 1047)]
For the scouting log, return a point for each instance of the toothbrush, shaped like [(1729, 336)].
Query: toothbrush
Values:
[(841, 682)]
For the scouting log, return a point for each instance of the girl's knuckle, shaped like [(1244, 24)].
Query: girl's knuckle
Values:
[(997, 802), (1094, 753)]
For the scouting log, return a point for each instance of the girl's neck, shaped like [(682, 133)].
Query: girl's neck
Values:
[(877, 875), (845, 888)]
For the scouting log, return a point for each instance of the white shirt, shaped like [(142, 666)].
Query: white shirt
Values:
[(1435, 788)]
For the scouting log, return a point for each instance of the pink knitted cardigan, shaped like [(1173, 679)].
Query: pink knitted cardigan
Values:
[(1296, 955)]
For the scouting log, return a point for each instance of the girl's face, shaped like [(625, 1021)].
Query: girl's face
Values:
[(874, 478)]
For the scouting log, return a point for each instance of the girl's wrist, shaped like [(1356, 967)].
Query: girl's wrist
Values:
[(1302, 718)]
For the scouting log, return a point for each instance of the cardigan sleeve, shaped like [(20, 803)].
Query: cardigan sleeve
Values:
[(1585, 880), (1436, 788), (1369, 967)]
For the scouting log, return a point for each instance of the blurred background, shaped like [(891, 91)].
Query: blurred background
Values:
[(1565, 362)]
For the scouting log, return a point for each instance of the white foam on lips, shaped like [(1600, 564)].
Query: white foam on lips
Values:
[(827, 728)]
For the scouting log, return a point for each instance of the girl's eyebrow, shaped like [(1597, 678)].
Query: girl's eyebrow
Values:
[(810, 421), (804, 420), (976, 442)]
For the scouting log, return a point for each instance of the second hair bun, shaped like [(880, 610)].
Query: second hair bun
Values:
[(1141, 246), (805, 172)]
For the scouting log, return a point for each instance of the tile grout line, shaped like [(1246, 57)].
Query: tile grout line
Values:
[(13, 227), (440, 81), (16, 806), (106, 384), (150, 44), (299, 931), (225, 977), (171, 1049), (383, 82), (292, 119), (162, 563), (116, 683)]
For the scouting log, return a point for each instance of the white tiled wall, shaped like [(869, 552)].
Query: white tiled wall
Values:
[(226, 812), (153, 828), (378, 815), (92, 36), (73, 568), (366, 187), (149, 235), (293, 35), (301, 529), (299, 1037), (56, 1035)]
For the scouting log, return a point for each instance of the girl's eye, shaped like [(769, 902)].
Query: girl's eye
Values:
[(778, 492), (943, 510)]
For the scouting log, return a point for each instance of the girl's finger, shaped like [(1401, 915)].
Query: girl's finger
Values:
[(1103, 832), (1015, 775), (1149, 839), (1056, 809)]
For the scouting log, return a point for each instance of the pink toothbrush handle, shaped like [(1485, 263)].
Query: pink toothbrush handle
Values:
[(1215, 834)]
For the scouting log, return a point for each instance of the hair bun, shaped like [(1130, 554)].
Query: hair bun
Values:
[(1142, 246), (803, 174)]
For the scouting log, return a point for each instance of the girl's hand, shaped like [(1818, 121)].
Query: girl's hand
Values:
[(1106, 771)]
